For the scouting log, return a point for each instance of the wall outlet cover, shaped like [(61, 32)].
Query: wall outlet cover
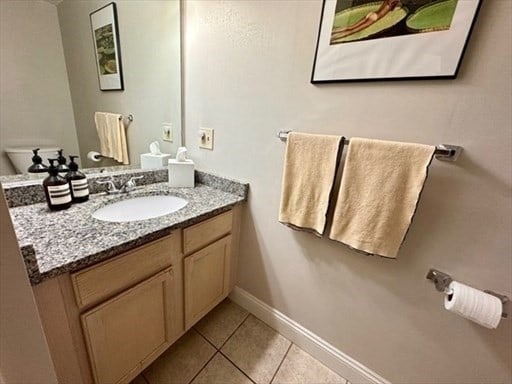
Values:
[(206, 138), (167, 132)]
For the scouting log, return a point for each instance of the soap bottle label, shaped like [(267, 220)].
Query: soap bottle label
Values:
[(59, 194), (80, 188)]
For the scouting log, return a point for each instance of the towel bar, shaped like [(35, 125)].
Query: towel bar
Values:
[(444, 152)]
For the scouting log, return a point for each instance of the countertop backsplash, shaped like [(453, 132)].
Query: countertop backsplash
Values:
[(26, 189)]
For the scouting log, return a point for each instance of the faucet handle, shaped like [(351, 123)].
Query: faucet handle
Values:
[(105, 179), (130, 185), (111, 187)]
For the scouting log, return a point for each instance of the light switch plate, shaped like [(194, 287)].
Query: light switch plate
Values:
[(167, 132), (206, 138)]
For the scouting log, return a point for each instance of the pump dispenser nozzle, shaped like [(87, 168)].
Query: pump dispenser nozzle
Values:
[(72, 165), (37, 163), (52, 169), (62, 167)]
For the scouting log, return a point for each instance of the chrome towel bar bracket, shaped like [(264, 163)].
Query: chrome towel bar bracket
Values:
[(445, 152), (129, 117)]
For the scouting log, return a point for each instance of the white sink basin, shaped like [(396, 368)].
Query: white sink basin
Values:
[(140, 208)]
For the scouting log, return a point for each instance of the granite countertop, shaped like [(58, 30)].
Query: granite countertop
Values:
[(55, 242)]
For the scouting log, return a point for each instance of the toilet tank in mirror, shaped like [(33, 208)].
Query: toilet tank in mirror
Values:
[(49, 88)]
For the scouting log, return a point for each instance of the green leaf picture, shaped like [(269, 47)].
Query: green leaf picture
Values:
[(356, 20), (106, 50), (436, 16)]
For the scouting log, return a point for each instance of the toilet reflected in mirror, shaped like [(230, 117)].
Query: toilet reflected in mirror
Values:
[(21, 157)]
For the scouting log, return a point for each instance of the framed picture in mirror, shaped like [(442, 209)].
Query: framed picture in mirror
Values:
[(366, 40), (105, 34)]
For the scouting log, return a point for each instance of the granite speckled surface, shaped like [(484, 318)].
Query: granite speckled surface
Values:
[(27, 189), (222, 183), (24, 191), (63, 241)]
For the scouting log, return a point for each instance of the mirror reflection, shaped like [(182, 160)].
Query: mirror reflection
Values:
[(49, 86)]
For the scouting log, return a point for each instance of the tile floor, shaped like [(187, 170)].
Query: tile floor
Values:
[(230, 346)]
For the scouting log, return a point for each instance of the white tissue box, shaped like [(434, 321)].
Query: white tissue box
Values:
[(181, 173), (151, 161)]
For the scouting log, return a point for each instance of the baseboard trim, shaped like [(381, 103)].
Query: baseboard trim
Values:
[(332, 357)]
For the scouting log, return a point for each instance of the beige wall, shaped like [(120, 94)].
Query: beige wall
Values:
[(24, 356), (35, 104), (247, 70), (150, 51)]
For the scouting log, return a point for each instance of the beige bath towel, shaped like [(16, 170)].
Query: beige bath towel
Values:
[(308, 178), (380, 188), (112, 134)]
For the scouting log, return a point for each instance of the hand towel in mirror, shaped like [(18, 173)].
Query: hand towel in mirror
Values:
[(112, 135)]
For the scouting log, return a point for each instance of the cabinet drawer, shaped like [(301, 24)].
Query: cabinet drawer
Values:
[(106, 279), (199, 235)]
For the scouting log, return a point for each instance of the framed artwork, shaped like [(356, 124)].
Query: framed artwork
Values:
[(364, 40), (105, 35)]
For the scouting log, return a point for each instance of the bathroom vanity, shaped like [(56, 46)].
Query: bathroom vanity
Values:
[(111, 304)]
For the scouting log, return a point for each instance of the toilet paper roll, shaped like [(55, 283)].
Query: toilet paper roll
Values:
[(94, 156), (473, 304)]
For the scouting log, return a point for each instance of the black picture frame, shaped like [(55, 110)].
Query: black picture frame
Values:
[(107, 47), (419, 55)]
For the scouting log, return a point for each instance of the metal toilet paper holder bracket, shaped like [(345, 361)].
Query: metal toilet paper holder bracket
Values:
[(504, 300), (442, 281)]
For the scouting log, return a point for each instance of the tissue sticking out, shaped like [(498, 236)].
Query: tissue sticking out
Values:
[(155, 158), (181, 154), (154, 148)]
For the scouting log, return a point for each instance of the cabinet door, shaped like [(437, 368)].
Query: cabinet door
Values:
[(125, 332), (207, 274)]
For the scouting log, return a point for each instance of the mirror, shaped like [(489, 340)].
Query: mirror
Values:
[(50, 90)]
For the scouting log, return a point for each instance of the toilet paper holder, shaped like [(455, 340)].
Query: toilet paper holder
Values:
[(442, 281)]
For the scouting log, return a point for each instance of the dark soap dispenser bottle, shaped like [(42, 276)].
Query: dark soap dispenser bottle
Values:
[(56, 189), (37, 163), (77, 182), (62, 167)]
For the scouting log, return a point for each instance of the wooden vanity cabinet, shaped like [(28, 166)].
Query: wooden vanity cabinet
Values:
[(106, 323)]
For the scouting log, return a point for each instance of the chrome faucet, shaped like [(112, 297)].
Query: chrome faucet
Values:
[(130, 184), (126, 187)]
